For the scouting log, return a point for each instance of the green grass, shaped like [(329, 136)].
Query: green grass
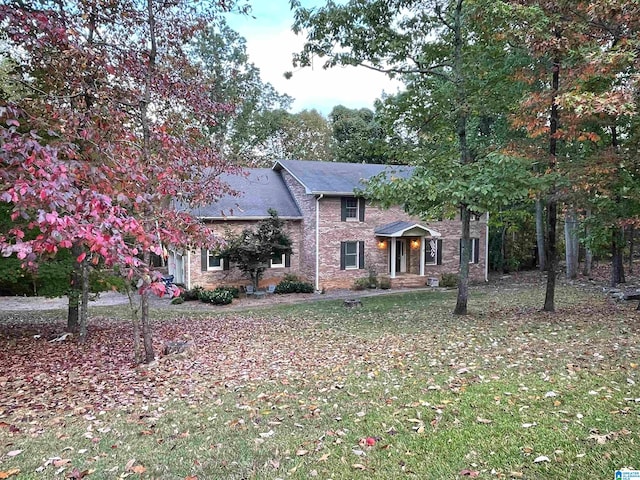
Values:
[(292, 390)]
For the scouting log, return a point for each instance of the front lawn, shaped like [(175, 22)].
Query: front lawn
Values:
[(399, 388)]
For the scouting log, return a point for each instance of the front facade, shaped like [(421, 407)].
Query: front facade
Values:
[(337, 236)]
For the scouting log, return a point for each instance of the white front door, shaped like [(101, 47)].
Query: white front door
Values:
[(401, 256)]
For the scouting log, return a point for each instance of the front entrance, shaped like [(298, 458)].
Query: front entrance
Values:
[(401, 256)]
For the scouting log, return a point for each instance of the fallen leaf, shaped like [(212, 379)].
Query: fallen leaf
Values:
[(13, 453), (139, 469), (191, 477), (469, 473), (516, 474), (541, 458), (302, 452), (324, 457), (358, 466), (61, 461), (10, 473), (483, 420), (77, 474)]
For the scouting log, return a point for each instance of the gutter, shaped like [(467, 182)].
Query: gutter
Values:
[(318, 198), (254, 217)]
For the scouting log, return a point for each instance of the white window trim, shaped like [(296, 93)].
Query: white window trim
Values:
[(357, 256), (472, 254), (278, 265), (356, 217), (433, 244), (214, 268)]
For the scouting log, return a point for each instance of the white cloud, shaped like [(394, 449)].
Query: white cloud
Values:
[(354, 87)]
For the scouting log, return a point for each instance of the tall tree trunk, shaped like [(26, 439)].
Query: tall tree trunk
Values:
[(462, 116), (571, 243), (75, 291), (145, 321), (134, 308), (588, 255), (465, 256), (552, 207), (540, 235), (632, 231), (617, 260), (84, 306)]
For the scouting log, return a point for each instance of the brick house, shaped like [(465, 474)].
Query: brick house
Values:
[(337, 236)]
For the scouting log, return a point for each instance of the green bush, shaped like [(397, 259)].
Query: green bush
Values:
[(361, 283), (193, 294), (217, 297), (234, 291), (385, 283), (287, 286), (177, 301), (449, 280)]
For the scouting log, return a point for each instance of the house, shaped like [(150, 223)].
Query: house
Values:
[(337, 236)]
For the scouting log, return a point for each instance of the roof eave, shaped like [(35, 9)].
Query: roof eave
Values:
[(252, 217)]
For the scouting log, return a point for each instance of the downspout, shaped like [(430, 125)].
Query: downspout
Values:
[(188, 279), (318, 198), (486, 251)]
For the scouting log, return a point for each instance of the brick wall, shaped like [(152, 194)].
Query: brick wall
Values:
[(333, 231), (233, 276)]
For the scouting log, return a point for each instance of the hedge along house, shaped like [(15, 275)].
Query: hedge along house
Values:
[(337, 236)]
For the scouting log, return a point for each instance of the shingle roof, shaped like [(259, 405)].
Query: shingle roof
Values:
[(334, 178), (259, 189), (396, 229)]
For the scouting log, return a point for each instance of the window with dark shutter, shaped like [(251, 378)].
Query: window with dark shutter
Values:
[(351, 255)]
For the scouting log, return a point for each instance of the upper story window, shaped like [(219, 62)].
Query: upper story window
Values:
[(352, 209), (277, 261)]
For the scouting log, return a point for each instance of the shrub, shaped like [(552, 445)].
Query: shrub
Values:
[(234, 291), (385, 283), (193, 294), (287, 286), (177, 301), (361, 283), (449, 280), (217, 297), (291, 277)]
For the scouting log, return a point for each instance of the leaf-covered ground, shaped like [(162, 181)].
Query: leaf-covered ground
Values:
[(399, 388)]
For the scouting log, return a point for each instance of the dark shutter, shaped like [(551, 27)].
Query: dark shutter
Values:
[(225, 263), (343, 209), (287, 259), (439, 252), (361, 203), (342, 250), (204, 259), (460, 251), (361, 255), (476, 250)]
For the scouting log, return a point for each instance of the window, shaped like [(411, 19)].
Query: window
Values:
[(281, 261), (212, 261), (474, 255), (433, 253), (277, 261), (352, 209), (351, 255)]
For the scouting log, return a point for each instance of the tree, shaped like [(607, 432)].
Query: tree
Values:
[(446, 72), (305, 135), (236, 82), (113, 129), (358, 136), (253, 249)]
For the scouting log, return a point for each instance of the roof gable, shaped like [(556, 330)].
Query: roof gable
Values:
[(257, 191), (336, 178)]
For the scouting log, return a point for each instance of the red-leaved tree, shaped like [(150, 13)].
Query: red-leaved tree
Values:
[(112, 128)]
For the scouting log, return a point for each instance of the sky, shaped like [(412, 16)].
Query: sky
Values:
[(271, 44)]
